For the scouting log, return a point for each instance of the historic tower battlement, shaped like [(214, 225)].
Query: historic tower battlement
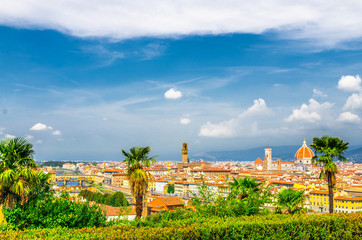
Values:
[(184, 152)]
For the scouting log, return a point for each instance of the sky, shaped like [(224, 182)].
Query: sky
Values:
[(82, 80)]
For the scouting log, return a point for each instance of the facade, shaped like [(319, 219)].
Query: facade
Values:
[(108, 175), (319, 202), (160, 185), (117, 179)]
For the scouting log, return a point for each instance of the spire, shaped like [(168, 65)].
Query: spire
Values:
[(304, 143)]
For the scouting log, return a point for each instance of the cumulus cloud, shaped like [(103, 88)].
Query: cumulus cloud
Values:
[(29, 137), (348, 117), (258, 106), (40, 127), (309, 113), (330, 22), (223, 129), (173, 94), (350, 83), (56, 133), (318, 93), (232, 127), (354, 101), (185, 120), (9, 136)]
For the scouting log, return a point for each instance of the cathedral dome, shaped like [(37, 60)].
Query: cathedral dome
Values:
[(258, 162), (304, 153)]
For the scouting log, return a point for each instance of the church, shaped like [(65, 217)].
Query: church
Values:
[(303, 158)]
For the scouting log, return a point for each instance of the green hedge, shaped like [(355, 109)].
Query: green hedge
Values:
[(335, 226)]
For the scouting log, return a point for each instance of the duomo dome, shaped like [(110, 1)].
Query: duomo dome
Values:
[(304, 154)]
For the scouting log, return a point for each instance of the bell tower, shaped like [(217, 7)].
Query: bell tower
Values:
[(184, 152)]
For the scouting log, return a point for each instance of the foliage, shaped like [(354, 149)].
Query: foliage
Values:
[(51, 212), (170, 188), (18, 175), (137, 159), (335, 226), (246, 198), (115, 200), (327, 149), (291, 200)]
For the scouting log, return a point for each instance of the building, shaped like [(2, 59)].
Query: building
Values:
[(304, 155), (164, 204), (319, 202), (117, 178), (108, 175), (185, 164)]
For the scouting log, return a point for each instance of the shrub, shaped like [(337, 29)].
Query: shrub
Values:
[(53, 212)]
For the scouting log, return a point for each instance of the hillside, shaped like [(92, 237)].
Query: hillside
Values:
[(286, 153)]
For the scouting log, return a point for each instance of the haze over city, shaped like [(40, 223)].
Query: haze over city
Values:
[(82, 82)]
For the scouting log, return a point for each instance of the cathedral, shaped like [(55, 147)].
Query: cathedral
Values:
[(303, 158)]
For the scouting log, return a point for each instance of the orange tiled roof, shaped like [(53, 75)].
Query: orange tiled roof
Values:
[(348, 198)]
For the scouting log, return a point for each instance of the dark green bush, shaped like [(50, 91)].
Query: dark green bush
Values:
[(51, 212), (335, 226)]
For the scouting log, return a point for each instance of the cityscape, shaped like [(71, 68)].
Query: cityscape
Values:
[(180, 119)]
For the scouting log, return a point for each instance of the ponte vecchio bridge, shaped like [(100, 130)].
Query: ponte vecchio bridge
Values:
[(71, 178)]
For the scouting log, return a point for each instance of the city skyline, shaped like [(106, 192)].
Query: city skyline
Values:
[(82, 83)]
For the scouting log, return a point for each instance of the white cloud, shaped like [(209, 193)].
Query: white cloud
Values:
[(39, 142), (350, 83), (233, 127), (348, 117), (40, 127), (29, 137), (9, 136), (173, 94), (309, 113), (185, 120), (354, 101), (56, 133), (330, 22), (223, 129), (259, 106), (318, 93)]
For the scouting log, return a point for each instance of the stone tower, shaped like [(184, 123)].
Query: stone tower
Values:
[(279, 164), (268, 158), (184, 153)]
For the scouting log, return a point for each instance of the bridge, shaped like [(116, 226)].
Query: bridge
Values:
[(71, 178)]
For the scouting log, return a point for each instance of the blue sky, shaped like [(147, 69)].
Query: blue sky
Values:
[(83, 81)]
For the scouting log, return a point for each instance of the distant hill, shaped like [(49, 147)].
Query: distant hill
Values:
[(286, 153)]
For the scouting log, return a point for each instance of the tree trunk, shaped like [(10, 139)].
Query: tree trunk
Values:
[(330, 193), (139, 205)]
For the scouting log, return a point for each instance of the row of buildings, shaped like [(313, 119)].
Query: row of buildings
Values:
[(186, 176)]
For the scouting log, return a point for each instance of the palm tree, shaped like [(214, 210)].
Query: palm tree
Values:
[(17, 170), (329, 148), (291, 200), (137, 159), (242, 188), (40, 186)]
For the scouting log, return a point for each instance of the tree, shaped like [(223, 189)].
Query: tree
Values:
[(243, 187), (327, 149), (18, 173), (291, 200), (137, 159), (170, 188)]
